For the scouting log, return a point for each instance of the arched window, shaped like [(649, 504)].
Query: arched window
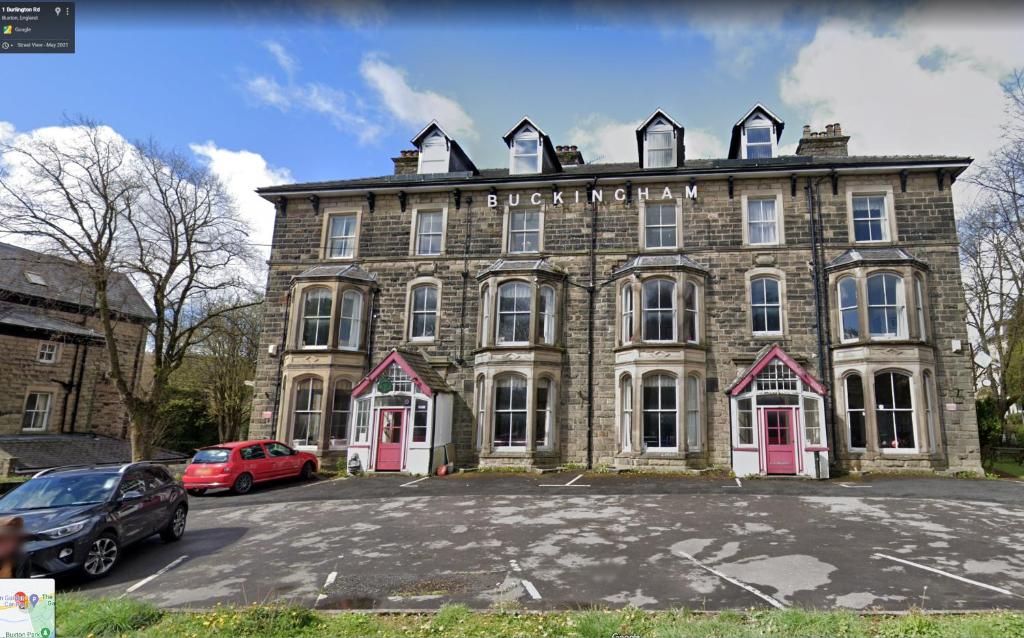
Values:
[(849, 310), (660, 412), (510, 412), (626, 420), (424, 312), (306, 421), (855, 426), (692, 412), (922, 322), (546, 325), (690, 315), (341, 405), (350, 328), (542, 426), (485, 315), (765, 305), (626, 318), (895, 411), (659, 310), (885, 306), (316, 318), (514, 312)]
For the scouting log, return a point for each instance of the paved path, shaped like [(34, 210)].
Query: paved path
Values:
[(557, 541)]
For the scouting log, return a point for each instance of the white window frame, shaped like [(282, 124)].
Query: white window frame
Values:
[(888, 225), (35, 412), (481, 412), (340, 442), (417, 231), (778, 282), (693, 311), (329, 237), (676, 225), (316, 410), (525, 134), (922, 318), (674, 310), (898, 306), (361, 421), (302, 318), (692, 409), (626, 313), (912, 410), (546, 314), (428, 147), (547, 412), (425, 311), (355, 319), (48, 352), (752, 427), (510, 231), (626, 413), (512, 379), (842, 309), (659, 410), (759, 196), (862, 410), (661, 126), (756, 121), (516, 314)]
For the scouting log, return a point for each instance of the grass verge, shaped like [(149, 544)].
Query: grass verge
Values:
[(1008, 469), (82, 617)]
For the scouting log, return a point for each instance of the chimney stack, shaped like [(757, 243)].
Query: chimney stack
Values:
[(569, 155), (828, 143), (407, 162)]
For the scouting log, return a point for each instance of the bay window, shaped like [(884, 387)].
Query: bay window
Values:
[(340, 406), (690, 314), (510, 414), (546, 309), (306, 415), (514, 313), (316, 318), (659, 310), (849, 309), (626, 313), (895, 412), (660, 412), (350, 326), (886, 307), (626, 419), (855, 423), (542, 417), (692, 398)]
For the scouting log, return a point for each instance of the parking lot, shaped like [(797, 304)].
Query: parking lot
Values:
[(575, 540)]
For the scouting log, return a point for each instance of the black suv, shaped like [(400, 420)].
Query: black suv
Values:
[(81, 517)]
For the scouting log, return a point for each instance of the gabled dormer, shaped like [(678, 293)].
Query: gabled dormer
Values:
[(530, 150), (659, 140), (756, 135), (439, 153)]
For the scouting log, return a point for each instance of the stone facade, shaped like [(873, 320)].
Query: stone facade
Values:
[(583, 250)]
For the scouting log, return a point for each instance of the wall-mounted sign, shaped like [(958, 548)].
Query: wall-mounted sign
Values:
[(557, 198)]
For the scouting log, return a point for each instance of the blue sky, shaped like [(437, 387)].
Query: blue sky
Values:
[(269, 94)]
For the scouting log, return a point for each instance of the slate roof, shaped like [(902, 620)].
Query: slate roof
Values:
[(36, 452), (424, 370), (26, 318), (874, 256), (66, 282), (520, 265), (338, 271), (623, 169), (674, 260)]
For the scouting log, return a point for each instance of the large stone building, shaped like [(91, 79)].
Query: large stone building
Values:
[(53, 360), (767, 313)]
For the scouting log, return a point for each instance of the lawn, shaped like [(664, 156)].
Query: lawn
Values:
[(78, 616), (1008, 469)]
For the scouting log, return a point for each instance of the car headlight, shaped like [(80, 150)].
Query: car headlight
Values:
[(64, 530)]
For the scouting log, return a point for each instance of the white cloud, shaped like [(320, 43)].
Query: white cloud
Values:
[(242, 172), (928, 84), (284, 59), (6, 131), (268, 91), (605, 140), (318, 98), (413, 107)]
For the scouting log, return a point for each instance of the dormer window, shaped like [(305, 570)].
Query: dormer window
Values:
[(659, 139), (756, 135), (434, 154), (525, 152)]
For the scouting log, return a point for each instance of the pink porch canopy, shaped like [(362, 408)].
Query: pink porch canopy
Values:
[(773, 353)]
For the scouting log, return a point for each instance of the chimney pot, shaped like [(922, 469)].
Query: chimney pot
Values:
[(807, 130), (836, 129), (828, 130), (406, 162)]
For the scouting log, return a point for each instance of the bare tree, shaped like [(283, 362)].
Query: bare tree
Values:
[(116, 207)]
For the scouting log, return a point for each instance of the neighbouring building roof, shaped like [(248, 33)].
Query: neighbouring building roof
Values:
[(623, 169), (338, 271), (643, 262), (874, 256), (765, 356), (19, 317), (36, 452), (521, 265), (30, 274), (414, 364)]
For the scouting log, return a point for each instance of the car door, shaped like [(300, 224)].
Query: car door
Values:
[(134, 510), (254, 461), (161, 496), (283, 458)]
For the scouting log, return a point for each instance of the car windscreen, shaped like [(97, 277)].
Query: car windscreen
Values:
[(212, 455), (60, 491)]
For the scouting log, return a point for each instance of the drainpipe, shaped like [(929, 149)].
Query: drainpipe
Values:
[(370, 333), (821, 307), (591, 296), (461, 360), (78, 383)]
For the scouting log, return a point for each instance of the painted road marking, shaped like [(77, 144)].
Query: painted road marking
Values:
[(530, 589), (170, 566), (571, 483), (327, 583), (853, 487), (948, 575), (760, 594), (738, 484), (414, 482)]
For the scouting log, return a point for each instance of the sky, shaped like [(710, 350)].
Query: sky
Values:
[(268, 93)]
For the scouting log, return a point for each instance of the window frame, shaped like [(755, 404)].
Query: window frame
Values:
[(319, 318), (677, 224), (415, 233), (512, 379), (691, 313), (355, 320), (343, 440), (692, 405), (47, 413), (508, 231), (51, 349), (525, 134), (660, 374), (758, 120), (755, 277), (899, 305), (326, 252), (921, 309), (548, 384), (627, 308), (780, 225), (547, 307), (311, 410), (626, 412), (889, 226), (855, 281), (674, 309), (912, 410), (515, 313), (413, 312), (660, 126)]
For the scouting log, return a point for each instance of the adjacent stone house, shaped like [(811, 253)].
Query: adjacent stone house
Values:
[(767, 313), (53, 362)]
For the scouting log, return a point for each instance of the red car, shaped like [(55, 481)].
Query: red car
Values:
[(240, 465)]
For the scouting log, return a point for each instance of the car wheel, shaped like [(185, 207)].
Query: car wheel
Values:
[(306, 473), (176, 526), (197, 492), (102, 556), (242, 484)]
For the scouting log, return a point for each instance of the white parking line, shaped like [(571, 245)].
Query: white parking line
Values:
[(571, 483), (853, 487), (170, 566), (760, 594), (738, 483), (530, 589), (574, 480), (414, 482), (327, 583), (948, 575)]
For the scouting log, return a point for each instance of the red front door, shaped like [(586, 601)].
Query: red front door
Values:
[(389, 442), (780, 444)]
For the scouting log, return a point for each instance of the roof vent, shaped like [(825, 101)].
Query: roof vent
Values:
[(35, 278)]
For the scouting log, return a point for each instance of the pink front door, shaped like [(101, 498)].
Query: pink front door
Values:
[(780, 443), (389, 442)]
